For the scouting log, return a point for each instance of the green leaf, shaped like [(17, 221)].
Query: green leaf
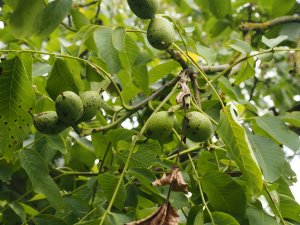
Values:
[(196, 216), (257, 216), (220, 8), (118, 38), (280, 7), (144, 156), (16, 100), (206, 162), (271, 43), (293, 118), (247, 71), (236, 140), (79, 18), (48, 145), (65, 76), (6, 170), (108, 183), (162, 70), (24, 20), (270, 157), (221, 218), (129, 90), (19, 210), (34, 165), (209, 54), (140, 78), (47, 220), (240, 46), (129, 52), (145, 177), (278, 131), (106, 49), (225, 85), (119, 134), (29, 210), (52, 16), (289, 208), (223, 193)]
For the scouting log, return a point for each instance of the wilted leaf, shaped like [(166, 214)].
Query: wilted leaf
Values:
[(164, 215), (174, 178)]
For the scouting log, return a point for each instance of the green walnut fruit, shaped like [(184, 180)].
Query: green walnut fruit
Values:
[(69, 107), (160, 125), (91, 104), (160, 33), (48, 123), (144, 9), (197, 127)]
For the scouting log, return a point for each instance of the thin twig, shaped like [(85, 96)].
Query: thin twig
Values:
[(87, 4), (98, 9), (68, 27)]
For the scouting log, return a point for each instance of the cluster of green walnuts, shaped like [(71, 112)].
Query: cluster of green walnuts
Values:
[(196, 126), (160, 32), (71, 109)]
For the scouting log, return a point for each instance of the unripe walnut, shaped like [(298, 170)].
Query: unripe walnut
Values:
[(144, 9), (160, 125), (91, 104), (197, 127), (48, 123), (160, 33), (69, 107)]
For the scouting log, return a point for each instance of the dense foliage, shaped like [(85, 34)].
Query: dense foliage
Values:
[(234, 64)]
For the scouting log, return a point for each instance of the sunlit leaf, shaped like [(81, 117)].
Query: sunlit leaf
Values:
[(274, 41), (247, 71), (106, 49), (289, 208), (240, 46), (293, 118), (23, 23), (257, 216), (278, 131), (270, 157), (161, 70), (236, 140), (52, 15)]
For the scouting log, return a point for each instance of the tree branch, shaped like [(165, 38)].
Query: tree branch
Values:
[(268, 24), (134, 109), (214, 69)]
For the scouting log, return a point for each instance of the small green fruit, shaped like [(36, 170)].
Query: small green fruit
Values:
[(91, 104), (160, 125), (198, 127), (48, 123), (144, 9), (160, 33), (69, 107)]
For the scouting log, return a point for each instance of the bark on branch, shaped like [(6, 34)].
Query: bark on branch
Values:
[(268, 24)]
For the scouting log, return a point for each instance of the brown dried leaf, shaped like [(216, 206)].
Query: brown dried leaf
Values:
[(164, 215), (172, 217), (175, 178)]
